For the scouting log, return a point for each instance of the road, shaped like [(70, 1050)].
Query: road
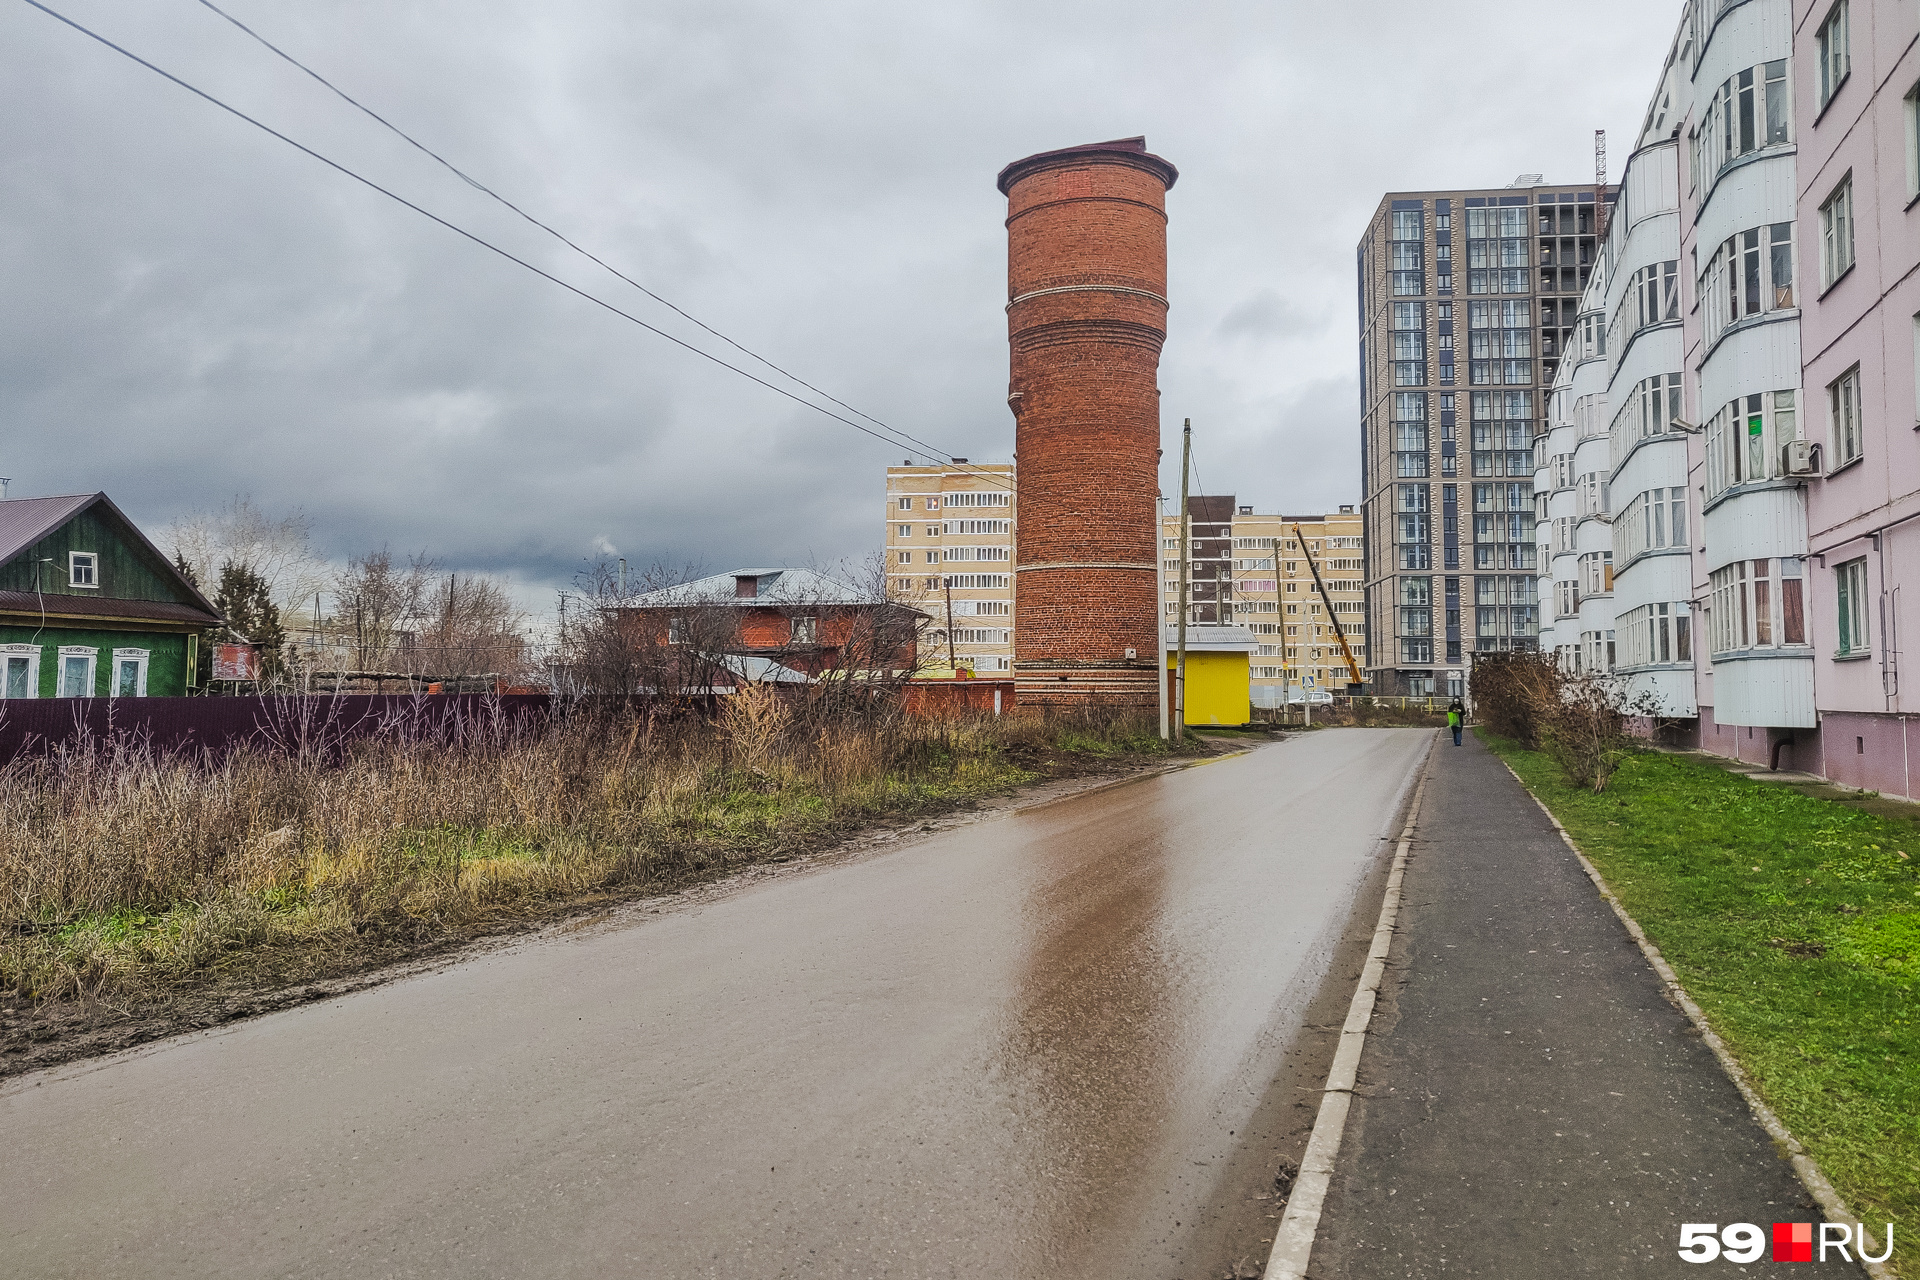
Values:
[(1026, 1047)]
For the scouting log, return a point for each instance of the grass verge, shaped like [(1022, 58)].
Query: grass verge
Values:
[(1794, 922), (131, 880)]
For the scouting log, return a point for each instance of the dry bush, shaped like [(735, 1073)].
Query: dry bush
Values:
[(1513, 694), (756, 719), (1579, 719), (125, 872)]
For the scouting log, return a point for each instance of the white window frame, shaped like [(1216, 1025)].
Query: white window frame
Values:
[(905, 504), (92, 656), (92, 562), (1836, 233), (1843, 411), (137, 656), (1910, 111), (1835, 60), (1853, 638), (31, 652)]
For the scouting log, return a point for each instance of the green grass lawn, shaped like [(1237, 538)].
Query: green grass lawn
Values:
[(1794, 922)]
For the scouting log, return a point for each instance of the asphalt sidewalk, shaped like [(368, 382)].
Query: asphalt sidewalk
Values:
[(1529, 1103)]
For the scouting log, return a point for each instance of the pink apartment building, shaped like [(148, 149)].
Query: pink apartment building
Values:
[(1856, 85)]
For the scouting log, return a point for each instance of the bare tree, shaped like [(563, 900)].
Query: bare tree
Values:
[(377, 608), (468, 626), (278, 550)]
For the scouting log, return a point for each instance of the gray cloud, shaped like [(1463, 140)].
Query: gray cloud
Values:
[(197, 311)]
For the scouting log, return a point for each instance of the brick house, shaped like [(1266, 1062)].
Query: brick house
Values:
[(797, 619)]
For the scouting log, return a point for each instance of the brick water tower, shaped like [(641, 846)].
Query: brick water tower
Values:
[(1086, 317)]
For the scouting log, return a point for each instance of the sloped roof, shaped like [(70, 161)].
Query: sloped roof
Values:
[(64, 606), (775, 587), (25, 521)]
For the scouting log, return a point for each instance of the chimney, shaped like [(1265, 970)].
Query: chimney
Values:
[(1086, 317), (745, 586)]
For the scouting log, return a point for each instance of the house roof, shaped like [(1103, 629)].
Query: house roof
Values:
[(763, 670), (1211, 637), (25, 521), (772, 587), (65, 606)]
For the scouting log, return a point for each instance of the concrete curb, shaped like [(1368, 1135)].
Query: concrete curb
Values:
[(1293, 1242), (1804, 1166)]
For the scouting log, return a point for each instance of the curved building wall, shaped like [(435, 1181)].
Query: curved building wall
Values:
[(1742, 330), (1652, 612)]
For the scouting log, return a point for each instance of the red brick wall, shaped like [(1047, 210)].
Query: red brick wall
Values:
[(1089, 224)]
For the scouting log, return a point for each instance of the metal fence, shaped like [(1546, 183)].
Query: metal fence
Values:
[(30, 725)]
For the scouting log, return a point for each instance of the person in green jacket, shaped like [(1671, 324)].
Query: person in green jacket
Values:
[(1456, 718)]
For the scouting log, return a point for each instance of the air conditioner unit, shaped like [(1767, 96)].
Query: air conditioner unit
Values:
[(1797, 458)]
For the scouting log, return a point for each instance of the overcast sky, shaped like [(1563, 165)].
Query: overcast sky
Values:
[(194, 310)]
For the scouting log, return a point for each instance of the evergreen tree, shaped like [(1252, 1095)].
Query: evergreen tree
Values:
[(247, 605)]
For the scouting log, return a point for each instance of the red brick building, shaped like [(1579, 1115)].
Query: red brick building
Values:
[(1086, 317), (796, 619)]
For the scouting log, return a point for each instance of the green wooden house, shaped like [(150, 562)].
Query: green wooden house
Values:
[(89, 608)]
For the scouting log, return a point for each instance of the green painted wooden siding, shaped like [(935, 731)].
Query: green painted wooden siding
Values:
[(166, 661), (126, 569)]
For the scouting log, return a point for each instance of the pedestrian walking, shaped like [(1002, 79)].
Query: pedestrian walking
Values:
[(1456, 718)]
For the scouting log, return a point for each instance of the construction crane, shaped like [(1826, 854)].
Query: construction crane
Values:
[(1600, 208), (1353, 668)]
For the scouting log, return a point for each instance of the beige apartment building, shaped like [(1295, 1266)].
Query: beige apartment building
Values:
[(950, 531), (1250, 570)]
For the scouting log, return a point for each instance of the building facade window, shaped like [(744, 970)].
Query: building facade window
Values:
[(1654, 520), (1843, 407), (1652, 297), (1836, 233), (83, 569), (1850, 595), (77, 671), (1406, 224), (1743, 438), (129, 673), (19, 671), (1830, 46), (1749, 111), (1656, 634), (1505, 607), (1647, 410), (1596, 573), (1749, 274), (1910, 109), (1410, 433), (1748, 613)]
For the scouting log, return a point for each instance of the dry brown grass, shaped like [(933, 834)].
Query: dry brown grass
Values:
[(125, 873)]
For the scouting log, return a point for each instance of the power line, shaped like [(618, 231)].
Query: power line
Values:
[(485, 190), (463, 232)]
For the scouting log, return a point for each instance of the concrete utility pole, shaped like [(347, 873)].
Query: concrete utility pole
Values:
[(953, 663), (1186, 547), (1160, 621)]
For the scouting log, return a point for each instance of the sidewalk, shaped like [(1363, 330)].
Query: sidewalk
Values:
[(1530, 1105)]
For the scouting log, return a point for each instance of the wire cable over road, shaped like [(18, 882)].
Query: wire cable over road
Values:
[(893, 436)]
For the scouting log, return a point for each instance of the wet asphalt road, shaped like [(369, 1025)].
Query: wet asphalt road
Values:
[(1019, 1048)]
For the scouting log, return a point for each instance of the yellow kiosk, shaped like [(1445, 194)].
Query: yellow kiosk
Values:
[(1219, 673)]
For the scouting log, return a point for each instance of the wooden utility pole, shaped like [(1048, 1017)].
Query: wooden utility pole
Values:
[(1159, 617), (1186, 548)]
